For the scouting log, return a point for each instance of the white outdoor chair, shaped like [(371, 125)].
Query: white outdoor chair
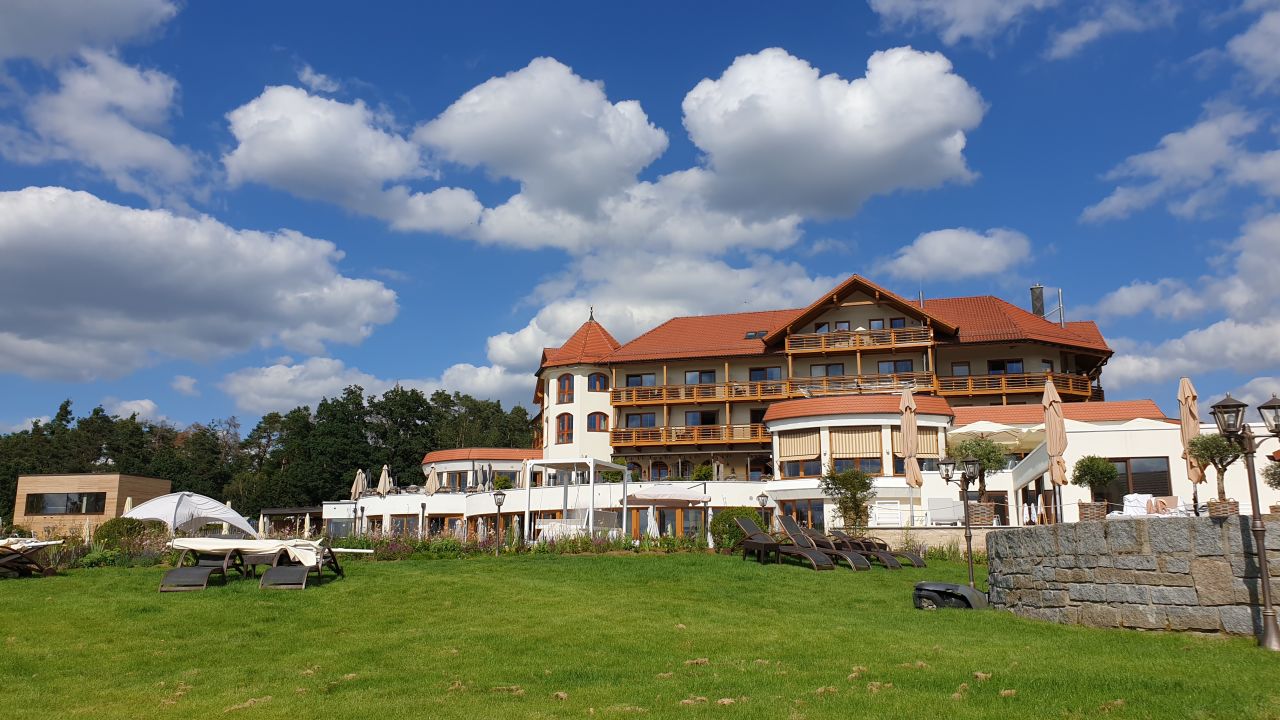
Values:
[(945, 512)]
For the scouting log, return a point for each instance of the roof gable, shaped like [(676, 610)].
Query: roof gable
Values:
[(856, 283), (701, 336), (985, 318), (589, 345)]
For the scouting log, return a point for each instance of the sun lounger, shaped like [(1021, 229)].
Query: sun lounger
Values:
[(848, 542), (203, 564), (289, 574), (903, 556), (798, 536), (21, 557), (819, 560)]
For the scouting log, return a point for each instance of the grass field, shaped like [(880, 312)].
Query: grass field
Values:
[(646, 636)]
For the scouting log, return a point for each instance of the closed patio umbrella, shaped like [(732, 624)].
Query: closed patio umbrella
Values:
[(384, 481), (1189, 414), (910, 447), (433, 481), (1055, 431), (360, 486)]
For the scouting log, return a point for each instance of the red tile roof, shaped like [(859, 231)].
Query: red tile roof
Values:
[(850, 285), (985, 318), (1115, 410), (482, 454), (852, 405), (589, 345), (703, 336)]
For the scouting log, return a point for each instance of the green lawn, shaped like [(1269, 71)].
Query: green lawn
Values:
[(619, 636)]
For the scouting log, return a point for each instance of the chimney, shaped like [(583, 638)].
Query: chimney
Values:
[(1037, 300)]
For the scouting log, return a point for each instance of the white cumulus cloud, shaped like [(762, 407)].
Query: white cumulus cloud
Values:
[(144, 408), (137, 285), (958, 253), (184, 385), (317, 81), (1255, 50)]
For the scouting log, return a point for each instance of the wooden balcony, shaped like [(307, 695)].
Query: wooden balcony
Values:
[(1066, 384), (860, 384), (850, 340), (693, 394), (689, 435)]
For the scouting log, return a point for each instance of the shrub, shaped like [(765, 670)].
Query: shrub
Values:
[(102, 557), (703, 473), (1271, 475), (15, 531), (126, 534), (392, 549), (989, 455), (852, 490), (1093, 472), (724, 529), (1218, 451)]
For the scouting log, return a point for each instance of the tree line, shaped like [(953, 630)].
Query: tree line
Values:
[(295, 458)]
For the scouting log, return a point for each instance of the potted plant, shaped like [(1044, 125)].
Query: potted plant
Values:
[(1271, 476), (1097, 474), (990, 458), (1218, 451)]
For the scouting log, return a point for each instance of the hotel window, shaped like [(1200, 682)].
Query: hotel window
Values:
[(801, 468), (564, 389), (637, 472), (659, 471), (842, 326), (758, 468), (564, 429), (960, 369), (1004, 367), (868, 465), (641, 420), (642, 380), (876, 324), (827, 370), (822, 327), (598, 382), (701, 417), (699, 377), (597, 422), (798, 454), (897, 323), (887, 367), (926, 450), (756, 415), (856, 448), (93, 503), (809, 513), (1148, 475), (1046, 366), (765, 373)]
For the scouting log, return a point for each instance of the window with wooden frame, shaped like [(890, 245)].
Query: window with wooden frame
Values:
[(1046, 365), (1004, 367), (875, 324), (888, 367), (842, 326), (699, 377), (597, 422), (897, 323), (564, 389), (809, 513), (926, 450), (641, 420), (856, 448), (826, 370), (1149, 475), (960, 369), (598, 382), (564, 429), (798, 453), (693, 418), (764, 373), (822, 327), (659, 471)]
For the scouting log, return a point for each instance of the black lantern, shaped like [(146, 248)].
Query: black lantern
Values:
[(762, 499), (1270, 412), (498, 498), (947, 468), (971, 466), (1228, 413)]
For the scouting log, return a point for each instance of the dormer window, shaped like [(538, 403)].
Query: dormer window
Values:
[(756, 334)]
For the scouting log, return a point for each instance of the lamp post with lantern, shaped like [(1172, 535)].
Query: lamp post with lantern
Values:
[(498, 498), (764, 501), (969, 468), (1228, 413)]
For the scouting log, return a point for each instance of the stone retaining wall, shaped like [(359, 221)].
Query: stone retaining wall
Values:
[(1197, 574)]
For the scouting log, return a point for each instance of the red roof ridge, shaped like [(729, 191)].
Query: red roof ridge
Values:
[(849, 283), (590, 343)]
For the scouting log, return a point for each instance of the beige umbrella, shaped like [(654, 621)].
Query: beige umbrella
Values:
[(128, 503), (384, 481), (910, 447), (1189, 414), (433, 481), (360, 486), (1055, 433)]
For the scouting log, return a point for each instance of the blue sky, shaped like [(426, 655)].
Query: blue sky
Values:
[(215, 209)]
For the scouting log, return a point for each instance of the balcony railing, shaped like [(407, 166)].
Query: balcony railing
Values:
[(1065, 383), (845, 340), (712, 392), (688, 435), (860, 384)]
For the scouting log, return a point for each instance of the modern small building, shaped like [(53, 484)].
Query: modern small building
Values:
[(50, 505)]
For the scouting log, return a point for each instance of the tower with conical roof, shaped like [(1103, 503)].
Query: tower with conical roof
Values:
[(573, 394)]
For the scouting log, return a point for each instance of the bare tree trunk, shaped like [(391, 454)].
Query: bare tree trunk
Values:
[(1222, 483)]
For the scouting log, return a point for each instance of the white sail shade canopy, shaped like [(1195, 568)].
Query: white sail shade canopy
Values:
[(667, 494), (188, 511)]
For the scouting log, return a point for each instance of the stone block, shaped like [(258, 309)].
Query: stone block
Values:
[(1162, 578), (1104, 561), (1128, 594), (1053, 598), (1193, 618), (1073, 575), (1099, 616), (1146, 617), (1169, 535), (1135, 562), (1241, 620), (1112, 575), (1208, 536), (1122, 536), (1175, 564), (1215, 582), (1043, 573), (1173, 596), (1087, 592)]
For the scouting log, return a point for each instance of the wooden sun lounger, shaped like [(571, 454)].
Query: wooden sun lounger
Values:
[(286, 574), (798, 536), (25, 561), (903, 556), (186, 578), (887, 560), (762, 542)]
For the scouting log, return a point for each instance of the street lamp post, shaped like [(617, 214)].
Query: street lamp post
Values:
[(763, 500), (1228, 413), (969, 469), (498, 498)]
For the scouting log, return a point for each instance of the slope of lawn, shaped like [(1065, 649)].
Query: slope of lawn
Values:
[(610, 636)]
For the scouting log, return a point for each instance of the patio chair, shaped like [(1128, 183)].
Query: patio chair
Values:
[(904, 556), (946, 512), (825, 543), (186, 578), (1166, 505), (870, 553), (288, 574), (762, 541), (23, 558), (798, 536)]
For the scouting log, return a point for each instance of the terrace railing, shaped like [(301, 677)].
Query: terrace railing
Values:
[(860, 384), (1066, 384), (711, 392), (845, 340), (689, 435)]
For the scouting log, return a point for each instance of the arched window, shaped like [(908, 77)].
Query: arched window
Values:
[(637, 472), (598, 382), (597, 422), (564, 389), (564, 429), (660, 471)]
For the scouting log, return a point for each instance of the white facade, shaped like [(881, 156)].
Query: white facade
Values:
[(585, 442)]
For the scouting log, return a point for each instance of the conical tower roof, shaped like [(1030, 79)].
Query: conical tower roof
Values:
[(590, 344)]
